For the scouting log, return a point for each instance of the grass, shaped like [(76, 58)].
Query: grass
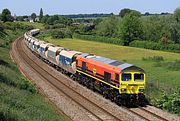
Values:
[(19, 99), (158, 78)]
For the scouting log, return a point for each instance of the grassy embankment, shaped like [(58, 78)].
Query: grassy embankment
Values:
[(159, 75), (19, 99)]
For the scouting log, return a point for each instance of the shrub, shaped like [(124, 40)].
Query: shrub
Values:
[(170, 102), (14, 26), (22, 83), (116, 41), (57, 34), (158, 64), (175, 66), (156, 46), (154, 58)]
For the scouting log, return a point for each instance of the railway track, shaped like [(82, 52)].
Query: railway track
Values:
[(95, 111), (146, 114)]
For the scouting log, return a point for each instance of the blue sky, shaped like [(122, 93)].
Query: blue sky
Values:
[(26, 7)]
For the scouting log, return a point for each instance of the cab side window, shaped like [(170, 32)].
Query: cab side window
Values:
[(107, 76), (116, 76)]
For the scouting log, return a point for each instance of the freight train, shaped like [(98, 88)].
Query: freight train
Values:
[(120, 82)]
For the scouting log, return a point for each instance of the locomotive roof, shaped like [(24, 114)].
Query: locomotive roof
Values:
[(123, 66)]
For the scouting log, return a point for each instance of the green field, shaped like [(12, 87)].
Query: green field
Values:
[(19, 99), (158, 78)]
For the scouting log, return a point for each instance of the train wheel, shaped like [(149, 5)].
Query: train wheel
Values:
[(91, 85), (111, 95), (118, 100), (105, 92)]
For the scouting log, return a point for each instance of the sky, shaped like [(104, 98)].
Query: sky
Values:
[(64, 7)]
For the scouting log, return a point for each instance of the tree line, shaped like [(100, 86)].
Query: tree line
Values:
[(130, 27)]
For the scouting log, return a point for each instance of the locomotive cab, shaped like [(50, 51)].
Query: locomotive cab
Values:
[(132, 80)]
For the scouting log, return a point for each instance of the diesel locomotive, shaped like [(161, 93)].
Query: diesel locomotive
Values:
[(120, 82)]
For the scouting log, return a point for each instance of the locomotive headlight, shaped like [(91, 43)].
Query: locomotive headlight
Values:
[(123, 90), (141, 90)]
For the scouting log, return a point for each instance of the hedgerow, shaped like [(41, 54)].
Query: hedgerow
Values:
[(103, 39)]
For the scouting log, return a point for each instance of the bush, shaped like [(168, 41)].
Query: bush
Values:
[(57, 34), (22, 83), (175, 66), (155, 46), (14, 26), (170, 102), (116, 41), (154, 58)]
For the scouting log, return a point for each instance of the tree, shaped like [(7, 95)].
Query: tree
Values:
[(108, 27), (57, 34), (124, 11), (41, 14), (177, 15), (147, 14), (53, 19), (131, 28), (20, 18), (33, 16), (6, 16), (127, 11), (175, 27), (45, 18), (175, 32), (157, 27)]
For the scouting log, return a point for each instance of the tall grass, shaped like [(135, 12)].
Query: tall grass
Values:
[(19, 99)]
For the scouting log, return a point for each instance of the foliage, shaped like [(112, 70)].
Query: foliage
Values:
[(170, 102), (131, 28), (20, 18), (31, 24), (155, 46), (45, 18), (95, 15), (1, 29), (177, 15), (33, 16), (127, 11), (154, 58), (163, 30), (19, 100), (56, 19), (41, 14), (57, 34), (21, 83), (6, 15), (100, 39), (16, 26), (175, 66), (108, 27), (175, 31), (84, 29), (157, 28)]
